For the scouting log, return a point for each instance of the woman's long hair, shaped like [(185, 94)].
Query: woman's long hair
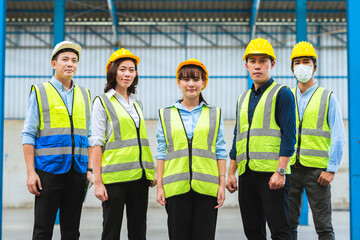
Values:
[(111, 76), (192, 71)]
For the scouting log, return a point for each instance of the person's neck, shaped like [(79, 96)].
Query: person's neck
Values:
[(305, 86), (123, 92), (257, 85), (66, 82), (190, 104)]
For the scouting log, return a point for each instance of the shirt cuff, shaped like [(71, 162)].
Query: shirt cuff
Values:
[(96, 141), (332, 168), (286, 151), (28, 140)]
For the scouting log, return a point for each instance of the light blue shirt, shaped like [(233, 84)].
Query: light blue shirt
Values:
[(32, 122), (335, 122), (190, 119)]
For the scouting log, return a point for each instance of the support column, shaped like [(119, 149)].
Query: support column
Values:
[(253, 16), (353, 36), (2, 99), (59, 21)]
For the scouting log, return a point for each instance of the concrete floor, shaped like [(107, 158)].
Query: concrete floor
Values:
[(17, 225)]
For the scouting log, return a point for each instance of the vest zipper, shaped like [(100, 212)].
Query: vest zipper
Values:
[(299, 143), (189, 147), (247, 146)]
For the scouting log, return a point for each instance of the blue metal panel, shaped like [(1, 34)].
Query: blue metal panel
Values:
[(2, 102), (353, 33), (59, 21)]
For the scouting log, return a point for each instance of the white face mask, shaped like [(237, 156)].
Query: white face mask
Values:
[(303, 73)]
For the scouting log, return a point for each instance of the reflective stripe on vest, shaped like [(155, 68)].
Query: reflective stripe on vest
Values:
[(258, 142), (193, 166), (313, 132), (61, 139), (126, 153)]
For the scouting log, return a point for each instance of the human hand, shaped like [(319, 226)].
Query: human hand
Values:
[(277, 181), (220, 197), (33, 183), (89, 177), (161, 196), (153, 183), (231, 184), (100, 192), (325, 178)]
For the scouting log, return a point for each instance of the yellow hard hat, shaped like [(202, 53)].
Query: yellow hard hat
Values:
[(121, 53), (259, 46), (303, 49), (193, 61)]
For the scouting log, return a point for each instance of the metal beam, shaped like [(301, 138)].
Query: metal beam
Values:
[(2, 99), (42, 40), (59, 21), (254, 12), (232, 35), (115, 21), (100, 36), (201, 36), (353, 35), (168, 36), (334, 35), (135, 35)]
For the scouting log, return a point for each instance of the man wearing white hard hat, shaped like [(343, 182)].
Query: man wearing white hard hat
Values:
[(55, 145)]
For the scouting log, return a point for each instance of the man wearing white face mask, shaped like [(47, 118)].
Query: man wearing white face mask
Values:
[(319, 146)]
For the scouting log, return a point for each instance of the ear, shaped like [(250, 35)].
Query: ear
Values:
[(53, 64), (315, 68), (272, 64), (246, 65), (178, 82)]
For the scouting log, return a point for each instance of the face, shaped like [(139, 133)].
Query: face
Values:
[(65, 66), (259, 67), (303, 60), (125, 74), (191, 87)]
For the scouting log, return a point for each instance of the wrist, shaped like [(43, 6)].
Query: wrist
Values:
[(90, 170)]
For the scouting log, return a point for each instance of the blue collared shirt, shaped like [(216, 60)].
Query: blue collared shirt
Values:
[(335, 122), (32, 122), (284, 116), (190, 119)]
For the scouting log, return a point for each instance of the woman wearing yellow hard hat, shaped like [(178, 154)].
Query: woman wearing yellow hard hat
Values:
[(122, 161), (191, 158)]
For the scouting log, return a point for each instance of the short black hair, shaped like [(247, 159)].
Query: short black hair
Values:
[(65, 50)]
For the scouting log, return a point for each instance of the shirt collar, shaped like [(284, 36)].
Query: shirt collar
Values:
[(308, 91), (179, 106), (59, 85), (112, 92), (262, 88)]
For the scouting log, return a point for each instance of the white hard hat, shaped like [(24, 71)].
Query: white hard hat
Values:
[(63, 45)]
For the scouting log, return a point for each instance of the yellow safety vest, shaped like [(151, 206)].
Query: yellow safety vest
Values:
[(313, 132), (190, 163), (61, 140), (258, 142), (126, 153)]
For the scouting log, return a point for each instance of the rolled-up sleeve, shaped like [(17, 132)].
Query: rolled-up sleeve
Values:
[(98, 124), (160, 137), (31, 123)]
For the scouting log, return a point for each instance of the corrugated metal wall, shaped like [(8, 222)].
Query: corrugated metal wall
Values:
[(221, 53)]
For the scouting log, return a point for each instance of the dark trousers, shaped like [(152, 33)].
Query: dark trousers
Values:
[(319, 200), (258, 204), (59, 191), (191, 216), (135, 196)]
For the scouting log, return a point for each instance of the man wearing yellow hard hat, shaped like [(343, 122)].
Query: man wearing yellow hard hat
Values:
[(264, 139), (320, 143), (55, 145)]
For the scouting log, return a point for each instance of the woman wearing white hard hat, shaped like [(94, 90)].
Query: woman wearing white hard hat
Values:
[(123, 165), (191, 158)]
